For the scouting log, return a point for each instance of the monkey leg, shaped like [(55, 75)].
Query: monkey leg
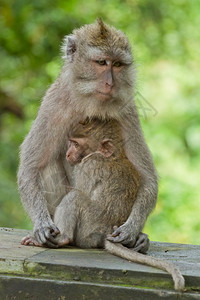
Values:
[(66, 217), (52, 186), (78, 222)]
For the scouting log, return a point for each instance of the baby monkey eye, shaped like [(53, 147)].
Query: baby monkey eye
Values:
[(76, 144), (117, 64), (101, 62)]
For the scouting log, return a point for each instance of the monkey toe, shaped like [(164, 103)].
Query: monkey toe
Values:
[(115, 227), (25, 240), (29, 240), (63, 240)]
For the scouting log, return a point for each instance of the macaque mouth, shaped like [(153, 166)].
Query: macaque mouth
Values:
[(105, 95)]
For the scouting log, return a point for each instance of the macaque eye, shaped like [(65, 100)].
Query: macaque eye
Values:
[(101, 62), (117, 64), (76, 145)]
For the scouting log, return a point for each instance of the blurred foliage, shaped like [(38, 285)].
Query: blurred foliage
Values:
[(165, 37)]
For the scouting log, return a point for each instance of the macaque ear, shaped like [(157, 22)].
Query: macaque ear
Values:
[(69, 47), (107, 148)]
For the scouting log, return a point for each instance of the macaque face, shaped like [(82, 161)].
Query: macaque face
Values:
[(107, 71), (103, 78), (77, 150), (81, 147)]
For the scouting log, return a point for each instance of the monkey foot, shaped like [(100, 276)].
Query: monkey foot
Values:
[(31, 241)]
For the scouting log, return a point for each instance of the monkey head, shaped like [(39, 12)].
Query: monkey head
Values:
[(100, 64), (94, 135), (80, 148), (77, 150)]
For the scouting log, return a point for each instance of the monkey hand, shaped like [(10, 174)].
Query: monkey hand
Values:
[(124, 235), (141, 243), (45, 233)]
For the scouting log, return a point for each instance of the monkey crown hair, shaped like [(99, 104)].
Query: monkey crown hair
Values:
[(99, 35), (97, 129)]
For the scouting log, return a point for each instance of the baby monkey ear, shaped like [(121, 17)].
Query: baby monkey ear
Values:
[(69, 47), (107, 148)]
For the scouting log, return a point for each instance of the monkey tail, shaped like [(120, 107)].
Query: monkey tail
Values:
[(124, 252)]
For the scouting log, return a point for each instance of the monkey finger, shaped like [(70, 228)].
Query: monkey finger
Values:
[(108, 236), (54, 230), (41, 239), (120, 235), (50, 245), (50, 240), (111, 238), (115, 239), (27, 242), (111, 235), (44, 238), (123, 238), (30, 240), (25, 239), (141, 238), (116, 231), (142, 242), (115, 227), (142, 248)]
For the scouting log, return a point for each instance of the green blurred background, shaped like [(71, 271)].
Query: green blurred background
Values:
[(165, 37)]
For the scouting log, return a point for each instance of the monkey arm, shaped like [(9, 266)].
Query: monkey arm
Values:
[(129, 231), (140, 156), (42, 145), (35, 204)]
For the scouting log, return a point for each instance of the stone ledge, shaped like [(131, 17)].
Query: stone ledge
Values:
[(91, 274)]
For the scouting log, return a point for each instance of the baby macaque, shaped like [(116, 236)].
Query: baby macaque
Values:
[(104, 177), (103, 195), (96, 149)]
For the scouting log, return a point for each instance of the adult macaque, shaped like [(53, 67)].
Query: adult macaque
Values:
[(105, 188), (97, 80)]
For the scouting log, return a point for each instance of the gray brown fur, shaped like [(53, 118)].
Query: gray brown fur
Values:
[(43, 176), (105, 189)]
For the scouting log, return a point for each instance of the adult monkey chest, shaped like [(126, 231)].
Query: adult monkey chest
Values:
[(97, 79)]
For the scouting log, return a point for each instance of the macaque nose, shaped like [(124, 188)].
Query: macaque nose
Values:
[(109, 79), (109, 83)]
